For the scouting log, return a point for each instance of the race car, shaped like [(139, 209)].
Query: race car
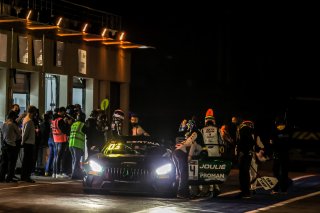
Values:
[(139, 164), (131, 164)]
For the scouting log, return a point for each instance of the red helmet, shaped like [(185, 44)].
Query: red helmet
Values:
[(209, 115)]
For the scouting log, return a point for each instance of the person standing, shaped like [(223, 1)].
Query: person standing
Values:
[(95, 138), (102, 124), (227, 140), (38, 149), (213, 142), (77, 146), (182, 155), (117, 122), (181, 131), (46, 137), (28, 143), (19, 117), (59, 133), (11, 133), (257, 158), (245, 149), (233, 130), (137, 130), (280, 138)]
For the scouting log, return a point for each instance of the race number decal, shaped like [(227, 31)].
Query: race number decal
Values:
[(193, 170)]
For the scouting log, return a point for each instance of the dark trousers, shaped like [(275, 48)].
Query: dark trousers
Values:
[(76, 154), (244, 172), (280, 171), (181, 162), (8, 162), (27, 162)]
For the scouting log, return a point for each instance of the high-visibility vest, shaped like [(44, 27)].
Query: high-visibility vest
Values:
[(77, 137), (58, 135)]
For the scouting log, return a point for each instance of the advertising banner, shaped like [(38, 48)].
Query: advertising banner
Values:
[(59, 53), (37, 52), (3, 49), (82, 59), (23, 50)]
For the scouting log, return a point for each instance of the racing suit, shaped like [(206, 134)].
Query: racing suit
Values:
[(212, 141), (245, 146), (181, 158)]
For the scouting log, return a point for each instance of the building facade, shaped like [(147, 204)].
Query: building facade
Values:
[(49, 66)]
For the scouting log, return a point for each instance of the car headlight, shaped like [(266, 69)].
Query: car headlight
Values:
[(165, 169), (95, 166)]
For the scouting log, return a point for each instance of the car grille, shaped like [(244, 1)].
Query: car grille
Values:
[(126, 174)]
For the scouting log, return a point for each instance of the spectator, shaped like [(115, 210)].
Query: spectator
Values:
[(137, 130), (46, 136), (11, 133), (95, 138), (28, 142), (38, 149)]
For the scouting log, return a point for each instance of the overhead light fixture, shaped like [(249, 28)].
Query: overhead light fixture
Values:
[(29, 15), (59, 22), (116, 42), (70, 34), (84, 29), (121, 37), (41, 27), (98, 39), (137, 46), (104, 31), (11, 20)]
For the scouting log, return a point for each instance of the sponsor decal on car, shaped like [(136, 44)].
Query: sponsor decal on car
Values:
[(215, 170)]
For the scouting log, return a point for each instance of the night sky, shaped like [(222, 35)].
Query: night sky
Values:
[(244, 60)]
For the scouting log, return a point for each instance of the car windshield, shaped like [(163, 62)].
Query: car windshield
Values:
[(132, 147)]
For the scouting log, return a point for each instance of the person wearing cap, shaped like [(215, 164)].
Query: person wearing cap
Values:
[(212, 141), (245, 149), (137, 130), (117, 122)]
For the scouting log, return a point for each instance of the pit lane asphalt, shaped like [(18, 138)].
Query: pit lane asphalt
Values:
[(63, 195)]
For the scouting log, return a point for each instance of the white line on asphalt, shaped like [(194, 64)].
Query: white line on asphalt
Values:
[(285, 202), (301, 177)]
